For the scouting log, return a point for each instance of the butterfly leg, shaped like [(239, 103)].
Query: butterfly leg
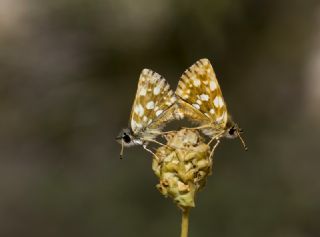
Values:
[(159, 143), (213, 148), (155, 141), (212, 139), (148, 150)]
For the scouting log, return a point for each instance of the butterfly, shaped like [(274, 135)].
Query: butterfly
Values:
[(152, 108), (199, 98)]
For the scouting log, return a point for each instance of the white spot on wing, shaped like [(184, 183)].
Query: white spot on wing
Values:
[(156, 90), (133, 125), (159, 112), (139, 110), (218, 102), (150, 105), (178, 114), (196, 82), (211, 111), (204, 97), (221, 101), (143, 92), (155, 78), (173, 99), (196, 106), (145, 71), (213, 85)]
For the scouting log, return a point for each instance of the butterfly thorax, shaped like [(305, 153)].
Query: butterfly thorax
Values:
[(219, 130), (147, 134), (212, 132)]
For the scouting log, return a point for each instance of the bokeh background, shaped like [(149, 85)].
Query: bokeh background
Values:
[(68, 75)]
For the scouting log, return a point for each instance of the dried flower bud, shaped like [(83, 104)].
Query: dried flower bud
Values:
[(182, 166)]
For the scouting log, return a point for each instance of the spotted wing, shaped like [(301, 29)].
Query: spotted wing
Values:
[(200, 96), (153, 100)]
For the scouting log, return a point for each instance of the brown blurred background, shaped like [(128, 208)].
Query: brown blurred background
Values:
[(68, 75)]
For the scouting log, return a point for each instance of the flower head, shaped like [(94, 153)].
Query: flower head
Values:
[(182, 166)]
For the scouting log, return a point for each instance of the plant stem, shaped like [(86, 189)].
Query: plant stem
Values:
[(185, 222)]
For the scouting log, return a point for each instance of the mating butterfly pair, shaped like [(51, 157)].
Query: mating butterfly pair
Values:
[(198, 97)]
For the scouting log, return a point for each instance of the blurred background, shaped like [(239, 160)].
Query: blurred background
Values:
[(68, 75)]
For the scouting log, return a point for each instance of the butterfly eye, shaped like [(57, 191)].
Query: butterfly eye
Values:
[(231, 131), (126, 138)]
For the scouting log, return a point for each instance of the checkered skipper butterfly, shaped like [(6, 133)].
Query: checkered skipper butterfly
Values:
[(200, 99), (153, 106)]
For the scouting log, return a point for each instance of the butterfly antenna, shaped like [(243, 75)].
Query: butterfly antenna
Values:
[(242, 141), (121, 152)]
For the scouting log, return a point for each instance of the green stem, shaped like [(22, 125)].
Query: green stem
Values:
[(185, 222)]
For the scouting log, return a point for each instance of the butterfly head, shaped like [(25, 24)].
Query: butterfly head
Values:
[(126, 139), (233, 131)]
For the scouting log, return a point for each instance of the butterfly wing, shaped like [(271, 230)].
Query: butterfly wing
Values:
[(200, 96), (153, 100)]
